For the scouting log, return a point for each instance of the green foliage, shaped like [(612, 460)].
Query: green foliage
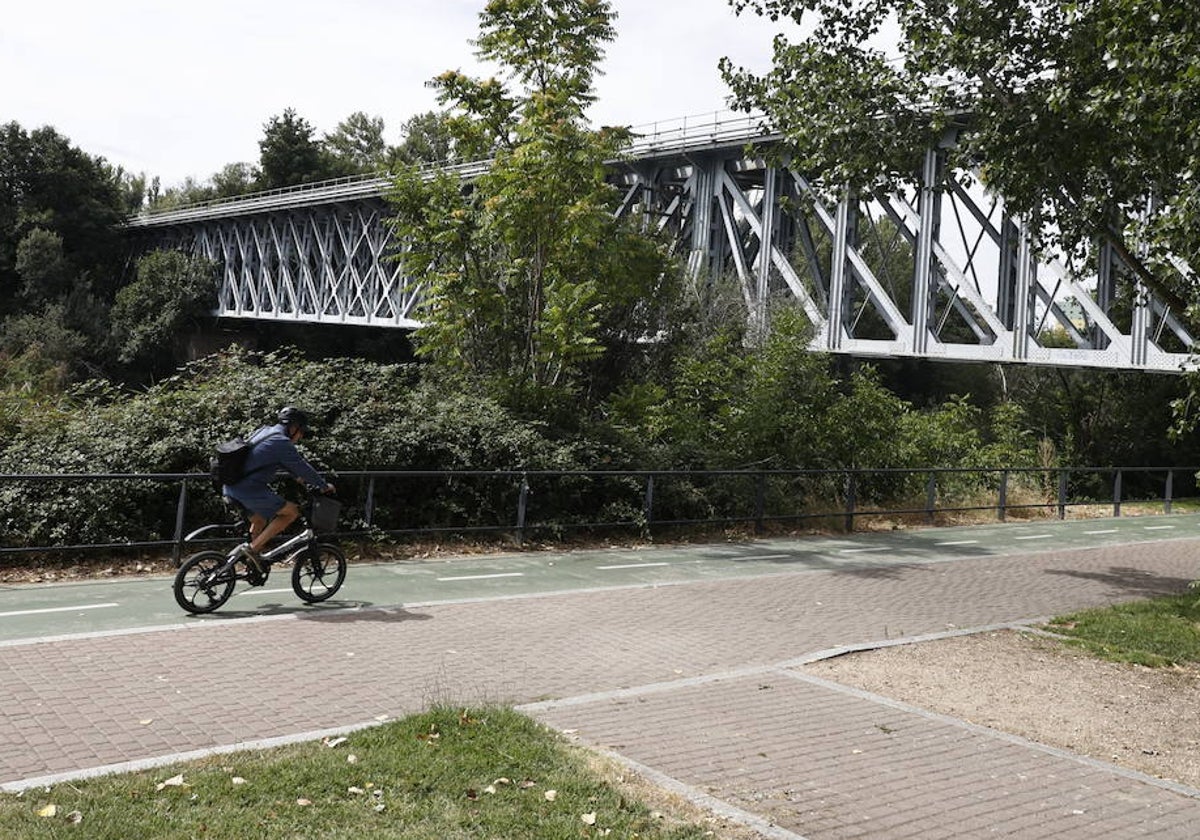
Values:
[(1080, 114), (530, 279), (1156, 633), (289, 153), (357, 145), (367, 416), (427, 140), (169, 293), (445, 773)]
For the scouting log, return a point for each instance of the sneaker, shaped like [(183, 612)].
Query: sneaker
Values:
[(254, 560)]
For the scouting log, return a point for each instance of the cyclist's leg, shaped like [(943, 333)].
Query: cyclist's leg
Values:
[(286, 515), (257, 523)]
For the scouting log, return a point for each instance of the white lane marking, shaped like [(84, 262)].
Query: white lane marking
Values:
[(633, 566), (861, 550), (762, 557), (57, 610), (1106, 531), (264, 591), (1035, 537), (485, 577), (1158, 527), (961, 542)]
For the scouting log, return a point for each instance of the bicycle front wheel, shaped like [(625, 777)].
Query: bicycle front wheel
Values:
[(318, 572), (198, 586)]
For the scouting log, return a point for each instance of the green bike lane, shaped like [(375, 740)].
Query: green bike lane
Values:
[(34, 612)]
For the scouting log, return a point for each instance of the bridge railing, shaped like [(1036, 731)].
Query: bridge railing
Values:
[(154, 512), (719, 128)]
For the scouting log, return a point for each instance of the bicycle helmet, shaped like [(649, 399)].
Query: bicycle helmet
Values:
[(291, 416)]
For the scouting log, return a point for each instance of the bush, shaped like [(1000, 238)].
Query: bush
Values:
[(366, 415)]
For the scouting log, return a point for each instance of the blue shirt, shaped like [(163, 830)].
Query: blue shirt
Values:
[(272, 451)]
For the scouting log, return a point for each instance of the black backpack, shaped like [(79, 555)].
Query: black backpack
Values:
[(228, 465)]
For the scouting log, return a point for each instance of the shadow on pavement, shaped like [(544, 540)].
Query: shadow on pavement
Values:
[(1130, 581), (340, 612)]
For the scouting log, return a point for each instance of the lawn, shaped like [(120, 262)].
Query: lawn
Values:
[(1158, 632), (446, 774)]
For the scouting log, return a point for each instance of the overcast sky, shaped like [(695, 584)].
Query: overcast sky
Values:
[(180, 89)]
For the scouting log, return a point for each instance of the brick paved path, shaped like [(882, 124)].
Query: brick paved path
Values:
[(697, 683)]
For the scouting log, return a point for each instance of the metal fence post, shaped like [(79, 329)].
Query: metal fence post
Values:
[(522, 506), (851, 500), (1117, 494), (648, 501), (1003, 510), (369, 504), (930, 496), (1169, 491), (1062, 494), (180, 511), (760, 495)]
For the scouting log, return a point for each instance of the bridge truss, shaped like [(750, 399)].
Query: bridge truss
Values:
[(939, 270)]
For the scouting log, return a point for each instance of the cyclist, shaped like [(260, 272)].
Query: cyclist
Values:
[(274, 448)]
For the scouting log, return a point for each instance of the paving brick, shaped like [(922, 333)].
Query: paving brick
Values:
[(821, 762)]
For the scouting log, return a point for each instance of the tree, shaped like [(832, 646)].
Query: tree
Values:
[(1085, 116), (48, 184), (357, 145), (427, 139), (530, 278), (289, 154), (170, 293), (46, 274)]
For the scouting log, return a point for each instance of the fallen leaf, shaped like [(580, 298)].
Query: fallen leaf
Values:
[(588, 819), (472, 794), (490, 789), (333, 742), (50, 810), (238, 780), (357, 791), (146, 722), (303, 803), (526, 784), (352, 759), (551, 795), (380, 808), (381, 718), (75, 817), (174, 781), (502, 781)]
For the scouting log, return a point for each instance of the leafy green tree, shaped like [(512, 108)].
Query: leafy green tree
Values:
[(357, 145), (48, 184), (235, 179), (427, 138), (531, 280), (1083, 115), (46, 274), (289, 153), (170, 293)]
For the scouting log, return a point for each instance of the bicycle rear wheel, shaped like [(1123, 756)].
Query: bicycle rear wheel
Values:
[(198, 588), (318, 572)]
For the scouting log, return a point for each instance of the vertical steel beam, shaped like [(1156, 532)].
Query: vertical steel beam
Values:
[(930, 208), (1106, 288), (837, 326), (702, 217), (1023, 295), (767, 233)]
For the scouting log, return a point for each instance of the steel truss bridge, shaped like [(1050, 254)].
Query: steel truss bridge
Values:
[(938, 270)]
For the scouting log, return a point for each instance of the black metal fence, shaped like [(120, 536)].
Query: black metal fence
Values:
[(156, 511)]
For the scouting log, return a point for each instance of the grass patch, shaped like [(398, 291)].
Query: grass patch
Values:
[(1157, 633), (446, 774)]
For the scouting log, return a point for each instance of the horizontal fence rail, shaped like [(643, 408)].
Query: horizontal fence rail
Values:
[(139, 511)]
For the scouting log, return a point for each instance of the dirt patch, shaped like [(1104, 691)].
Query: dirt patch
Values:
[(1145, 719)]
